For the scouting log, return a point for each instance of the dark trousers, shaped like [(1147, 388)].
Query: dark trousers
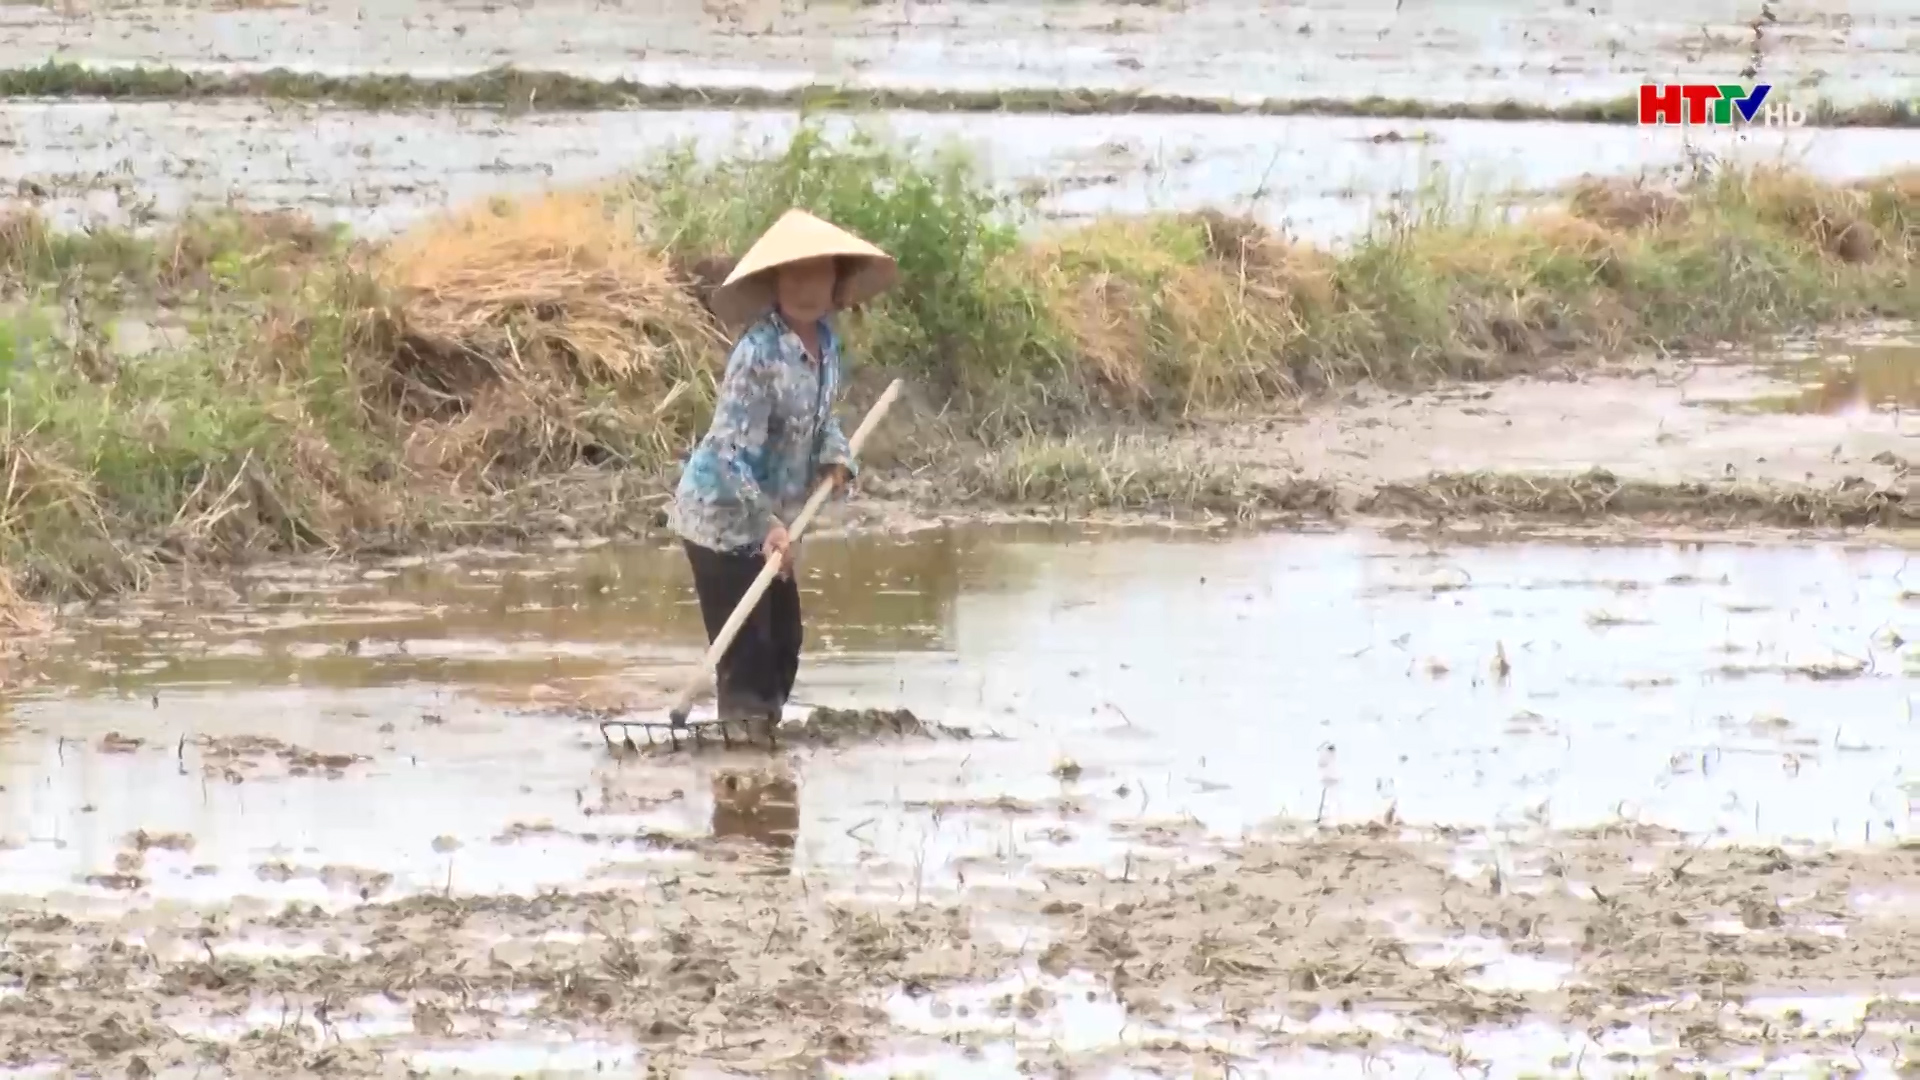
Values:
[(755, 675)]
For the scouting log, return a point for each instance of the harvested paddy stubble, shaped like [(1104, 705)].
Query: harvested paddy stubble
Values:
[(534, 367), (1599, 493)]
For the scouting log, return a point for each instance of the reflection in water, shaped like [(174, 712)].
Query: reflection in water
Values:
[(1228, 680), (517, 621), (762, 805), (1887, 375), (1876, 377)]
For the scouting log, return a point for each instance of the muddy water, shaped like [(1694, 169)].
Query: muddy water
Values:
[(1854, 383), (1144, 705), (1533, 50), (1232, 680), (1324, 178)]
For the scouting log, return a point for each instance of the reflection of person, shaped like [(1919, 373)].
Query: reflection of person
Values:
[(773, 435), (761, 806)]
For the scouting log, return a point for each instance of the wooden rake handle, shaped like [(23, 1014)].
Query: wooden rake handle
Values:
[(683, 705)]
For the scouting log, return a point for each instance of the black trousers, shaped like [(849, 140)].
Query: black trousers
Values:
[(755, 675)]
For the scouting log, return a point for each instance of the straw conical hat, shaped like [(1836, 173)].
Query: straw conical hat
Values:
[(748, 292)]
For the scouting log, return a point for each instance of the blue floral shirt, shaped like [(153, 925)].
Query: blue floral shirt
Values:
[(773, 430)]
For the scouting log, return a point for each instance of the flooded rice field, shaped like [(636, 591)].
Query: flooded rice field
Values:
[(1059, 799), (1336, 804), (1326, 178), (1539, 51)]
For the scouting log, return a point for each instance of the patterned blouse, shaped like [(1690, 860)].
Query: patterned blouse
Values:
[(773, 430)]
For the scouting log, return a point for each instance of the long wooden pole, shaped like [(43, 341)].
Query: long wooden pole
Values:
[(702, 678)]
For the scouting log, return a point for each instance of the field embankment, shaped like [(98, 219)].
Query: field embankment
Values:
[(1530, 52), (245, 384), (560, 91)]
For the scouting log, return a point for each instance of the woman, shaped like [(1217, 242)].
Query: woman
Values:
[(773, 437)]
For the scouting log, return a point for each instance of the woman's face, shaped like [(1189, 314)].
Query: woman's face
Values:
[(805, 290)]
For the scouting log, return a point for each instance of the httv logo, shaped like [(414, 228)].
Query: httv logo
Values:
[(1707, 104)]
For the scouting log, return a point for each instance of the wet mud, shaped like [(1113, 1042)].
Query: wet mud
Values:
[(1323, 178), (1286, 802), (649, 732), (1488, 50), (1280, 952), (1815, 433)]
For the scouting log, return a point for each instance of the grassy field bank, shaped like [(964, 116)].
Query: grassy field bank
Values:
[(521, 90), (538, 366)]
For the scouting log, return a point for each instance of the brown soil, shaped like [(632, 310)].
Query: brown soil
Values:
[(729, 965), (1632, 448)]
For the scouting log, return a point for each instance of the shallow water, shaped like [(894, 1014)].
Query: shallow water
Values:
[(1529, 50), (1854, 383), (335, 735), (1324, 178), (1707, 689)]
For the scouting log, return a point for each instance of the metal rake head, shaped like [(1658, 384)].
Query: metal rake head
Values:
[(674, 731)]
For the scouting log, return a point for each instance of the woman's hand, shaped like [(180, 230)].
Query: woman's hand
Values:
[(780, 542), (777, 543), (840, 475)]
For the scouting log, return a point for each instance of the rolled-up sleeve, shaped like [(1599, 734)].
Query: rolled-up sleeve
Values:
[(739, 432)]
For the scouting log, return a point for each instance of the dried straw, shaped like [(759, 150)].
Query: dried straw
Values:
[(555, 287), (19, 617)]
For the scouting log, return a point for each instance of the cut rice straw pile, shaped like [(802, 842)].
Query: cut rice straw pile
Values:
[(547, 318), (557, 286)]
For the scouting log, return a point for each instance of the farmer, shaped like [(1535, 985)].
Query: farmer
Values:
[(774, 436)]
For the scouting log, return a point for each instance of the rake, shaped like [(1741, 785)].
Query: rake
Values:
[(702, 678)]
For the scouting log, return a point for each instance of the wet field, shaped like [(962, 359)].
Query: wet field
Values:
[(1827, 410), (1171, 801), (1325, 178), (1540, 51), (1327, 802), (1163, 800)]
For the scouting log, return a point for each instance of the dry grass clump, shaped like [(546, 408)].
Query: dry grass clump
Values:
[(1164, 315), (1624, 203), (1265, 262), (540, 333), (1106, 314), (1838, 220), (1566, 232), (1853, 223), (53, 529), (19, 616)]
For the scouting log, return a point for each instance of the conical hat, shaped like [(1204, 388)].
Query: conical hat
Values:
[(748, 292)]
